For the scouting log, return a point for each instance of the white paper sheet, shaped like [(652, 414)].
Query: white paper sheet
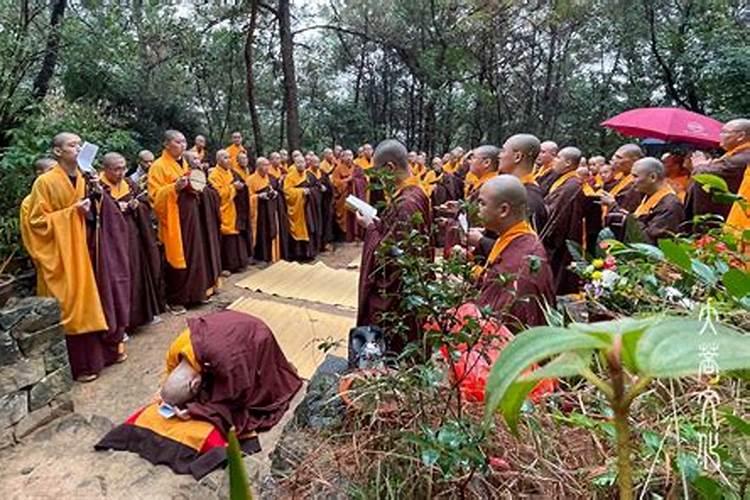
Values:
[(361, 206), (86, 157), (463, 222)]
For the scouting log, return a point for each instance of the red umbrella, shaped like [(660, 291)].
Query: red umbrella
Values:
[(668, 124)]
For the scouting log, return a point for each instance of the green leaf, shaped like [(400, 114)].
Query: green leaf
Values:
[(430, 457), (703, 271), (708, 489), (688, 464), (739, 424), (239, 487), (677, 347), (675, 254), (630, 329), (711, 182), (527, 348), (565, 365), (737, 283), (647, 250)]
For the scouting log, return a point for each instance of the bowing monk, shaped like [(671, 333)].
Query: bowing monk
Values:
[(732, 166), (407, 210), (181, 228), (57, 241), (200, 152), (231, 189), (660, 212), (571, 216), (624, 192), (545, 174), (264, 209), (302, 212), (322, 191), (226, 368), (516, 254), (235, 148), (146, 300)]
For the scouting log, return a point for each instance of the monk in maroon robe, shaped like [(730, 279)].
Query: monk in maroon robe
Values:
[(572, 216), (624, 192), (302, 211), (544, 173), (322, 195), (516, 254), (228, 369), (264, 210), (735, 140), (146, 299), (409, 209)]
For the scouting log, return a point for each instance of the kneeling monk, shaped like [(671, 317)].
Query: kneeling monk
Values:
[(224, 371)]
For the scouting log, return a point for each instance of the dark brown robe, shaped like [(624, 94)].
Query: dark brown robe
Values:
[(268, 226), (629, 198), (188, 286), (519, 301), (108, 249), (210, 210), (146, 296), (285, 239), (731, 169), (546, 181), (247, 381), (571, 216), (537, 210), (327, 213), (664, 220), (379, 282)]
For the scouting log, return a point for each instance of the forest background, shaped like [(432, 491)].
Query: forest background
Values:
[(311, 74)]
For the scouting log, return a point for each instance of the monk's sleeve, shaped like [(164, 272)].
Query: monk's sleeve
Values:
[(295, 205)]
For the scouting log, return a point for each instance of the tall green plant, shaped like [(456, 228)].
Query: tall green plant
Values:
[(239, 486), (633, 351)]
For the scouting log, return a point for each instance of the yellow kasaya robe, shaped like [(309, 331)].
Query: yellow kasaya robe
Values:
[(118, 191), (679, 184), (451, 167), (256, 183), (55, 237), (23, 219), (418, 171), (162, 177), (739, 216), (430, 179), (542, 171), (473, 183), (276, 172), (327, 167), (363, 162), (295, 204), (222, 181), (233, 151)]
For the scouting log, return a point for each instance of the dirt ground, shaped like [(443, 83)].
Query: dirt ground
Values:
[(59, 462)]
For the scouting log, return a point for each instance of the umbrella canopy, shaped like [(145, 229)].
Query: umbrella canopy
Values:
[(668, 124)]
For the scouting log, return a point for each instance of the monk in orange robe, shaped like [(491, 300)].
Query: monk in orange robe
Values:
[(264, 209), (329, 161), (302, 212), (276, 169), (235, 148), (57, 242), (230, 186), (178, 212), (146, 298), (322, 194), (200, 151)]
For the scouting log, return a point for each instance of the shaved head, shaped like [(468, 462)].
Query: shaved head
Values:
[(484, 159), (648, 175), (62, 138), (502, 203), (734, 133), (519, 153), (181, 385), (547, 153), (571, 154), (632, 151), (112, 158), (625, 156), (393, 152), (650, 165), (145, 155), (42, 165), (171, 135)]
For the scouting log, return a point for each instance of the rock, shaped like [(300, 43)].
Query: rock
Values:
[(45, 312), (33, 342), (14, 310), (101, 424), (56, 357), (13, 407), (322, 407), (6, 438), (22, 373), (50, 386), (33, 421), (62, 405), (27, 470), (9, 352)]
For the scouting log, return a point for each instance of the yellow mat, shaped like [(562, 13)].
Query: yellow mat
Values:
[(312, 282), (300, 331)]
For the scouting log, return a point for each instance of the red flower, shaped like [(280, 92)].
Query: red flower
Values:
[(499, 464), (610, 262), (704, 241), (720, 247), (603, 245)]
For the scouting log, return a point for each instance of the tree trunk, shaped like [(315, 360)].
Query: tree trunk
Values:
[(250, 78), (41, 82), (293, 132)]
